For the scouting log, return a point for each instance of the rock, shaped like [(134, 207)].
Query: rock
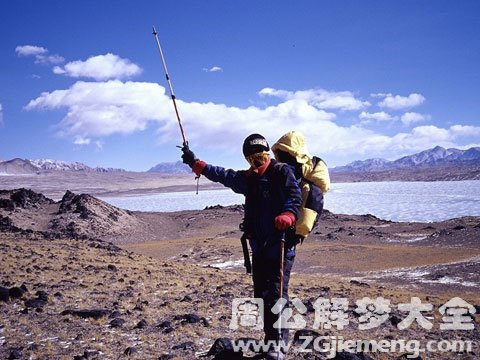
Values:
[(168, 330), (87, 314), (395, 320), (4, 294), (130, 351), (112, 267), (309, 306), (186, 298), (221, 345), (191, 319), (42, 295), (166, 357), (15, 354), (16, 292), (115, 314), (166, 326), (117, 323), (36, 303), (359, 283), (188, 345), (6, 224), (142, 324), (89, 354)]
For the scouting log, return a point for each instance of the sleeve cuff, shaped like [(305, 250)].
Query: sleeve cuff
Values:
[(198, 167)]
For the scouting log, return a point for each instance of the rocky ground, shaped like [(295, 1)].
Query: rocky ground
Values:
[(81, 279)]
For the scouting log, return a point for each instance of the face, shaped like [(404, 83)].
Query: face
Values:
[(258, 159)]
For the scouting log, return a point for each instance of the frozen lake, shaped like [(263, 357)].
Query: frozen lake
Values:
[(398, 201)]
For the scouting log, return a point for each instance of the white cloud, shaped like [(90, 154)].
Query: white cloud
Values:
[(380, 95), (465, 130), (100, 67), (398, 102), (378, 116), (40, 54), (320, 98), (49, 59), (96, 110), (1, 114), (105, 108), (412, 117), (213, 69), (78, 140), (30, 50)]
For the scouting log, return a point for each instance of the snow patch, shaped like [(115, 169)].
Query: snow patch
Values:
[(229, 264), (415, 238)]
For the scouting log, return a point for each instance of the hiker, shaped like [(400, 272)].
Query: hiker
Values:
[(312, 175), (272, 205)]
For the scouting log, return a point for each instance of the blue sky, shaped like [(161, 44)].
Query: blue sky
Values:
[(82, 80)]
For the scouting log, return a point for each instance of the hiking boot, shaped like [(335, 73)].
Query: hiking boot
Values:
[(275, 355)]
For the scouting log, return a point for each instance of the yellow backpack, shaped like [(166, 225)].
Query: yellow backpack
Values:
[(315, 179)]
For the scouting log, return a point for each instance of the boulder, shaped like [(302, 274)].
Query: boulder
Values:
[(222, 349), (16, 292), (4, 294), (117, 323), (142, 324)]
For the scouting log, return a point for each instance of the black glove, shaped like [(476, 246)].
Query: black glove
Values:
[(188, 156)]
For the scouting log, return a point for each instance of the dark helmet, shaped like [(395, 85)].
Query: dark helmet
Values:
[(254, 144)]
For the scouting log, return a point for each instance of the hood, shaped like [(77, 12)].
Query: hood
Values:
[(293, 143)]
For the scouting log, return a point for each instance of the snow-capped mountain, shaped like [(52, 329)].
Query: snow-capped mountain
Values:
[(25, 166), (437, 156), (171, 168), (47, 164), (59, 165)]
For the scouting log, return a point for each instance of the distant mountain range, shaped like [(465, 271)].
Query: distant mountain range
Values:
[(25, 166), (433, 164), (171, 168), (436, 157)]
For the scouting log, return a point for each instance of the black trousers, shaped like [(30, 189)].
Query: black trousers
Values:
[(266, 285)]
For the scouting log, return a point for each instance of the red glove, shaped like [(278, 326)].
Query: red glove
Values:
[(198, 166), (284, 220)]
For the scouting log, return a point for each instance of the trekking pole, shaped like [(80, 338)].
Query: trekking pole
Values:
[(282, 255), (172, 95)]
